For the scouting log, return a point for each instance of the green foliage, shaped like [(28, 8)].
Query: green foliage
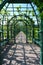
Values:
[(39, 4), (4, 12), (1, 1), (36, 33), (18, 9), (5, 31), (41, 14)]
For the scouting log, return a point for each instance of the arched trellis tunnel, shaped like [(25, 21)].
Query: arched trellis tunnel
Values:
[(20, 20), (26, 12)]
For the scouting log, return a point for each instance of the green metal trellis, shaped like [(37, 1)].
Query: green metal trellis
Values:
[(41, 29)]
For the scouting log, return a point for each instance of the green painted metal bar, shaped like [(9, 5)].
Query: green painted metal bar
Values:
[(29, 18), (7, 6), (2, 5), (13, 9), (2, 28), (0, 39), (19, 1), (33, 33), (0, 49), (41, 42), (34, 12), (22, 15), (11, 31), (36, 19), (14, 24), (14, 33), (0, 35), (26, 34), (8, 31), (25, 21), (26, 25)]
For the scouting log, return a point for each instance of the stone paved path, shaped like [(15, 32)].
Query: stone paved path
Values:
[(22, 54), (21, 37)]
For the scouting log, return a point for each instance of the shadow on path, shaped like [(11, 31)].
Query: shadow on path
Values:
[(22, 54)]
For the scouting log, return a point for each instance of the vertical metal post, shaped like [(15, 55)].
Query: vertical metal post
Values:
[(8, 31), (33, 33), (2, 28), (26, 25), (38, 33), (14, 33), (41, 38), (41, 42), (0, 36), (0, 42), (26, 34), (0, 49), (11, 31)]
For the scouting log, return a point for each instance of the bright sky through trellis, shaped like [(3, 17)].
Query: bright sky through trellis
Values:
[(10, 10)]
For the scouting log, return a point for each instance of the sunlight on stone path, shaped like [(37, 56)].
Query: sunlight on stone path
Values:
[(22, 54), (21, 37)]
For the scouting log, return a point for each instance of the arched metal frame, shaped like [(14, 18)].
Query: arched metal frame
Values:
[(27, 8), (26, 22), (41, 32), (4, 2), (32, 22)]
